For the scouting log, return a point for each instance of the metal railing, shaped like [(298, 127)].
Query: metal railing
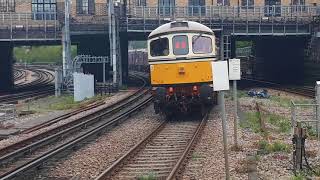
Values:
[(29, 26), (222, 12), (244, 52), (48, 25), (306, 113)]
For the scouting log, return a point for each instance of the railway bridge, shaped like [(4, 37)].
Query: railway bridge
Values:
[(35, 22)]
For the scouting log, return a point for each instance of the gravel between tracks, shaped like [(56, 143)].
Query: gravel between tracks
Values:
[(110, 100), (91, 160)]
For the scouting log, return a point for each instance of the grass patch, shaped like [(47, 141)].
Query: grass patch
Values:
[(52, 103), (312, 132), (149, 176), (279, 121), (252, 122), (66, 102), (195, 156), (298, 177), (282, 101), (265, 147), (242, 94)]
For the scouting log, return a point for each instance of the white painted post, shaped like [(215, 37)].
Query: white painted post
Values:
[(224, 130), (318, 108), (235, 110), (234, 74)]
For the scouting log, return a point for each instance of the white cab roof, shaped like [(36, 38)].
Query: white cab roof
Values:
[(191, 26)]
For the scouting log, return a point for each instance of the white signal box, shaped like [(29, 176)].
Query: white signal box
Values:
[(220, 75), (234, 69)]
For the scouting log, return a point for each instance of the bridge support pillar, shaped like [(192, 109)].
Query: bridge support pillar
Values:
[(6, 67), (124, 56)]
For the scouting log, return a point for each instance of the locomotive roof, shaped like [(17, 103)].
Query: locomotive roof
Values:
[(177, 26)]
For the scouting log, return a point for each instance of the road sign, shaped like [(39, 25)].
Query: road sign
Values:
[(234, 69)]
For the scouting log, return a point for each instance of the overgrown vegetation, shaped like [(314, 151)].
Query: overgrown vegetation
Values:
[(286, 102), (47, 54), (298, 177), (241, 94), (265, 147), (252, 122), (149, 176), (279, 121), (282, 101), (66, 102)]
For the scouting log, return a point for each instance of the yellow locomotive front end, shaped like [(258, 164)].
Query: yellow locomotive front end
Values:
[(180, 56)]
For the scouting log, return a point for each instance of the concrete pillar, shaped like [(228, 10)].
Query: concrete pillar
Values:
[(124, 56), (233, 47), (6, 67)]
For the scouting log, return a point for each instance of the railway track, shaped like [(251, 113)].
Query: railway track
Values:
[(19, 74), (33, 151), (160, 154), (42, 86), (303, 91)]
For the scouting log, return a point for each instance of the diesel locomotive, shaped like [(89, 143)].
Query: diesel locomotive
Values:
[(180, 54)]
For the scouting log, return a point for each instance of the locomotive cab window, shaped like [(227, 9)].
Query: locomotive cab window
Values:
[(201, 44), (180, 45), (159, 47)]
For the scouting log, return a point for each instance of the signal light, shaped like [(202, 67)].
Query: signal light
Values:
[(195, 88), (170, 90)]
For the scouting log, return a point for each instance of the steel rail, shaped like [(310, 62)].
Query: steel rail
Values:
[(34, 162), (303, 91), (17, 148), (114, 168)]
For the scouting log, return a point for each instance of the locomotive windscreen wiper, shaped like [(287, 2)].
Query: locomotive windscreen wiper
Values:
[(194, 41)]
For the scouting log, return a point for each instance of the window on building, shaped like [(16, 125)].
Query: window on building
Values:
[(272, 8), (223, 2), (7, 5), (180, 45), (141, 3), (166, 7), (201, 44), (85, 7), (249, 3), (44, 9), (197, 7), (159, 47)]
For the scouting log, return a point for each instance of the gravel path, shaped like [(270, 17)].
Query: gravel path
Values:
[(110, 100), (91, 160)]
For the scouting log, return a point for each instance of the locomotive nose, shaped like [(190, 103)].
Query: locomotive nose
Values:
[(181, 70)]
